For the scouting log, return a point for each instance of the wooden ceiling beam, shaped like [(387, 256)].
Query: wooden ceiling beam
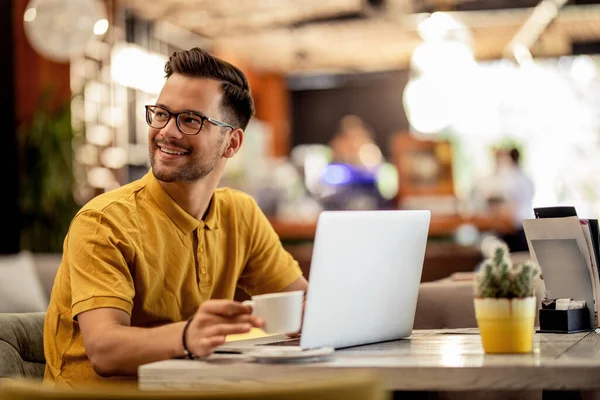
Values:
[(377, 43)]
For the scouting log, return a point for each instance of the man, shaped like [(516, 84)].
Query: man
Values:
[(508, 192), (149, 269), (520, 196)]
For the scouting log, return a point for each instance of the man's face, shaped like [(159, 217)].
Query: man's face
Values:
[(177, 157)]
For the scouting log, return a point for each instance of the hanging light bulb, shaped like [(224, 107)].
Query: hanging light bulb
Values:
[(61, 29), (440, 66), (426, 104)]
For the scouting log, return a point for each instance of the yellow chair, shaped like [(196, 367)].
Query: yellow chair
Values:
[(324, 386)]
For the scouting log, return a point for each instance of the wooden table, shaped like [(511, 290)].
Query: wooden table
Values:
[(440, 225), (430, 360)]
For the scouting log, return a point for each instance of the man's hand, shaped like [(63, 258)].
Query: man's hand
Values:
[(214, 320)]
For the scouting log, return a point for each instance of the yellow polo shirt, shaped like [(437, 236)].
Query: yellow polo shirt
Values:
[(136, 250)]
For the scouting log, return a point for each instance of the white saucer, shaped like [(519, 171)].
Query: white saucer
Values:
[(290, 356)]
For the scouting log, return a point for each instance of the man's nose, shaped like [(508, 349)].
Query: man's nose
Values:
[(171, 130)]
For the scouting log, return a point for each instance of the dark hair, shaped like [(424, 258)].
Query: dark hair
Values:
[(515, 156), (237, 100)]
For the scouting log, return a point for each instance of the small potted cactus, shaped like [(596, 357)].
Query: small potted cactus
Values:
[(505, 305)]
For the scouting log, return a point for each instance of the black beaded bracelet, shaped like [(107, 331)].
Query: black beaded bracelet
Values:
[(186, 351)]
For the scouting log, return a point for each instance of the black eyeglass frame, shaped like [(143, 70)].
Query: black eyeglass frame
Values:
[(151, 108)]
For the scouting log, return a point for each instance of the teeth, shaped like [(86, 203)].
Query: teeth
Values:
[(168, 151)]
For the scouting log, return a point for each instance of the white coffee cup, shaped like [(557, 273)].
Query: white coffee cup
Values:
[(282, 312)]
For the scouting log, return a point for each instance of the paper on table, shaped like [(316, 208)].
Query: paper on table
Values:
[(559, 247), (587, 233), (594, 232)]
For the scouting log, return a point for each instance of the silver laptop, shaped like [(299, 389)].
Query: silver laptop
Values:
[(364, 280)]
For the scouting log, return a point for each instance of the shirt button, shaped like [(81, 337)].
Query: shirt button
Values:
[(202, 249), (203, 270)]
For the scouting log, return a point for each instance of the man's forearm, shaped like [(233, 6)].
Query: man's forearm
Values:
[(122, 349)]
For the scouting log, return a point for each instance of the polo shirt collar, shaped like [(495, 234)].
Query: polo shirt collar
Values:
[(212, 216), (184, 221)]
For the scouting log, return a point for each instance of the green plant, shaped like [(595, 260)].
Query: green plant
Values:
[(46, 199), (499, 278)]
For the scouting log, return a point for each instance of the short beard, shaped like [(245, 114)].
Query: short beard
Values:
[(192, 172)]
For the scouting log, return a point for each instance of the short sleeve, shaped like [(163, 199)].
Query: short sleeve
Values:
[(270, 267), (97, 257)]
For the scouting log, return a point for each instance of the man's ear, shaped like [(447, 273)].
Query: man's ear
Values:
[(236, 137)]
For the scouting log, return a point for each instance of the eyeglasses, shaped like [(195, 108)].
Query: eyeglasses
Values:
[(188, 122)]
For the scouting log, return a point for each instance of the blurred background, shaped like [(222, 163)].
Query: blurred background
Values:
[(477, 110)]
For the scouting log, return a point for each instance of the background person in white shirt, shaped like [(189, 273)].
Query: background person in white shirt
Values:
[(508, 192)]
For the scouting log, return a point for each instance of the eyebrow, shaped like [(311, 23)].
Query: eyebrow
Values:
[(184, 111)]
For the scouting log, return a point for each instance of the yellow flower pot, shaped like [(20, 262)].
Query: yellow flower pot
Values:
[(506, 325)]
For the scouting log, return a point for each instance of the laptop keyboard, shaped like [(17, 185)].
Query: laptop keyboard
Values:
[(291, 342)]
